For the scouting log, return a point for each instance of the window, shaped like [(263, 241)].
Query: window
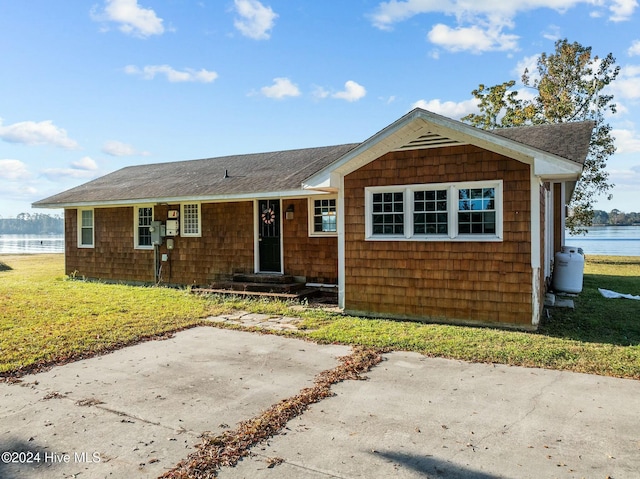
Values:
[(438, 212), (323, 218), (388, 213), (85, 229), (191, 220), (143, 219), (476, 211), (430, 212)]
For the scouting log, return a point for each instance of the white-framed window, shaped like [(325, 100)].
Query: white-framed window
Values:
[(142, 218), (191, 223), (470, 211), (323, 216), (86, 229)]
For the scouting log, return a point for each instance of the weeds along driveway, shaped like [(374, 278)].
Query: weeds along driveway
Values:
[(138, 411)]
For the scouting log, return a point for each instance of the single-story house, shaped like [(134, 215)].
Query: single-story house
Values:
[(429, 219)]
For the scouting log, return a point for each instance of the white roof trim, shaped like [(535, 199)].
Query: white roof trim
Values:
[(187, 199), (400, 134)]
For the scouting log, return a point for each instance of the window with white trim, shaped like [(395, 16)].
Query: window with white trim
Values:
[(191, 222), (470, 211), (85, 229), (323, 216), (143, 219), (477, 211), (388, 213)]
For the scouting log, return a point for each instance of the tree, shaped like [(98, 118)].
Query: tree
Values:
[(568, 86)]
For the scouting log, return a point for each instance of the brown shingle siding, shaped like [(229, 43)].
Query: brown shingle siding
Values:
[(314, 258), (489, 282)]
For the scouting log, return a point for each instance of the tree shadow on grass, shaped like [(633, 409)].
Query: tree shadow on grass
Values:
[(598, 319), (434, 468)]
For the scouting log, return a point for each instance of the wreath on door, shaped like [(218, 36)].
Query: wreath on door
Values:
[(268, 216)]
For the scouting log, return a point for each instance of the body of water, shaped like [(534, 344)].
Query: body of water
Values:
[(31, 244), (605, 240), (608, 240)]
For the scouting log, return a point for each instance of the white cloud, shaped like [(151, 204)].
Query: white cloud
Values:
[(627, 141), (320, 92), (627, 85), (484, 20), (117, 148), (622, 10), (149, 72), (496, 11), (84, 168), (281, 88), (634, 49), (85, 163), (14, 170), (473, 39), (450, 109), (553, 33), (527, 63), (133, 19), (256, 20), (37, 133), (352, 92)]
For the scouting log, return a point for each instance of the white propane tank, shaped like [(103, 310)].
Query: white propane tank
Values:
[(568, 270)]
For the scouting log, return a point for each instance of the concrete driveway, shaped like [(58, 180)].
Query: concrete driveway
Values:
[(140, 410)]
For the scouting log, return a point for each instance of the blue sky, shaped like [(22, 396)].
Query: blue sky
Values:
[(90, 87)]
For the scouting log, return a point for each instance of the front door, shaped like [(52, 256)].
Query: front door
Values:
[(269, 235)]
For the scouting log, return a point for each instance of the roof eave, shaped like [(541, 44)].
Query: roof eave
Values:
[(416, 123), (179, 199)]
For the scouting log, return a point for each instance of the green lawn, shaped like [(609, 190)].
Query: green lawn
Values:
[(46, 318)]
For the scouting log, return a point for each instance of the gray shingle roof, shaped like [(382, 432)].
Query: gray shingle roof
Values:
[(567, 140), (278, 171), (246, 174)]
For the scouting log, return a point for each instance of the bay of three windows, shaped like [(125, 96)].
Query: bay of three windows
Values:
[(439, 212)]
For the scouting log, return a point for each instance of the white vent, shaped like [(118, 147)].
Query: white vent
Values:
[(430, 140)]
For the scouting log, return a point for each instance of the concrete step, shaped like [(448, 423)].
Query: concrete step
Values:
[(260, 287), (263, 278)]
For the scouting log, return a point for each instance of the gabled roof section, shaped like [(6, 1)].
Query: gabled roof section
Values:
[(207, 179), (567, 140), (554, 151)]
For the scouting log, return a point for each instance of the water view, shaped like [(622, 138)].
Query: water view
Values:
[(608, 240), (601, 240), (31, 244)]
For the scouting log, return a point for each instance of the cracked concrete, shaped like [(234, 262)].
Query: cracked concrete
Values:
[(257, 320), (145, 406), (420, 417)]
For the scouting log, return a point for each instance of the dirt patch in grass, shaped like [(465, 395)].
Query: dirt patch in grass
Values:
[(229, 447)]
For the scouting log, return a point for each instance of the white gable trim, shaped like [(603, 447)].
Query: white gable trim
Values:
[(420, 122)]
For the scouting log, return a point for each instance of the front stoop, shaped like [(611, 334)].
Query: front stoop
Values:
[(262, 285)]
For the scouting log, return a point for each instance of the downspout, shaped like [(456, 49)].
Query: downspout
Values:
[(341, 244), (535, 250)]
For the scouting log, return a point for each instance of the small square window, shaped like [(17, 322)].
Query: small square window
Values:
[(324, 216), (388, 217)]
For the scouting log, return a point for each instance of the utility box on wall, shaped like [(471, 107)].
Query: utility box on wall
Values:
[(157, 231), (172, 227)]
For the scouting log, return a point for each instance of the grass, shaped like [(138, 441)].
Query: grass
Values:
[(46, 319)]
